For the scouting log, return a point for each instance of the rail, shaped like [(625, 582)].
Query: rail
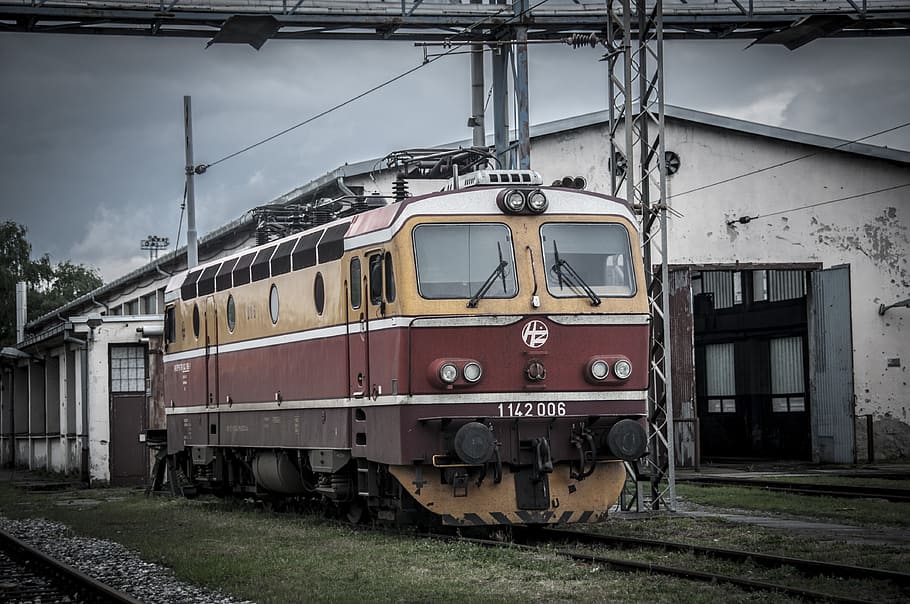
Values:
[(64, 579), (688, 573)]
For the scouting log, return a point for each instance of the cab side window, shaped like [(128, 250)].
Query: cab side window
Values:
[(356, 283), (170, 326), (376, 279), (389, 278), (382, 279)]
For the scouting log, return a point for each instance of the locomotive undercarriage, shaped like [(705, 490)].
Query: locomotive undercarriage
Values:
[(341, 486), (533, 478)]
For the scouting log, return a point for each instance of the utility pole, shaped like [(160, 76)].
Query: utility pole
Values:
[(476, 121), (521, 87), (501, 104), (192, 252)]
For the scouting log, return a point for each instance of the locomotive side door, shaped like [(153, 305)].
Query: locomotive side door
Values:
[(358, 330), (381, 293), (211, 367), (367, 303)]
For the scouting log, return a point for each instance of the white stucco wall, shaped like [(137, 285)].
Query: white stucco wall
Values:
[(869, 233), (113, 330)]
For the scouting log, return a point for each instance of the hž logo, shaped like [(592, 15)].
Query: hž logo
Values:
[(535, 334)]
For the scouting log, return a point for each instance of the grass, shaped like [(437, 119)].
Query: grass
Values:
[(717, 532), (865, 512), (835, 480), (281, 558), (272, 558)]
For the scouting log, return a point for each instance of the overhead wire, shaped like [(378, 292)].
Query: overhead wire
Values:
[(454, 50), (180, 222), (392, 80), (746, 219)]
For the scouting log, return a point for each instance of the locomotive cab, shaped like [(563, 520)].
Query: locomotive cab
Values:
[(527, 353)]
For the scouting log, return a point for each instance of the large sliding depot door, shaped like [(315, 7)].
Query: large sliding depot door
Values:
[(831, 366)]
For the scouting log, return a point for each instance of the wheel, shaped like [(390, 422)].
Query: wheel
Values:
[(356, 511)]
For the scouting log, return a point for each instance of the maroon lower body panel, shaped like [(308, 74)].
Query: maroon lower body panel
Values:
[(266, 429), (397, 434)]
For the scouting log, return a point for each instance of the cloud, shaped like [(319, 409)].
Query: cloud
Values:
[(110, 240), (840, 88), (93, 153), (768, 109)]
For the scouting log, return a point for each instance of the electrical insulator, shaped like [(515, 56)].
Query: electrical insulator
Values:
[(400, 188), (579, 40)]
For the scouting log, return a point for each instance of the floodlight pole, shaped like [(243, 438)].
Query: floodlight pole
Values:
[(192, 252)]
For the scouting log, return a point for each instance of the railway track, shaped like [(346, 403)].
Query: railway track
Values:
[(532, 539), (806, 567), (28, 575), (805, 488)]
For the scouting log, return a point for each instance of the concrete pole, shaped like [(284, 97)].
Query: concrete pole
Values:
[(477, 112), (521, 93), (192, 253), (501, 104)]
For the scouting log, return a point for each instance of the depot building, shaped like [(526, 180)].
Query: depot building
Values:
[(789, 295)]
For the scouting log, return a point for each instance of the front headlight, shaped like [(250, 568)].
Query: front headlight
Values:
[(448, 373), (514, 201), (622, 369), (537, 202), (600, 369), (472, 372)]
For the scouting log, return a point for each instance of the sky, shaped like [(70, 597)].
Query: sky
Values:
[(91, 128)]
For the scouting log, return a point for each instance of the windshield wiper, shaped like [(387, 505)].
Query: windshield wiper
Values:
[(572, 277), (499, 270)]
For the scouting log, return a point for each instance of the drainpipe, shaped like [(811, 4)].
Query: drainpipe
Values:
[(83, 437), (12, 422), (107, 308), (339, 182), (161, 270)]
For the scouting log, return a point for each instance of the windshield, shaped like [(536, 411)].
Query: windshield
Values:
[(582, 259), (457, 260)]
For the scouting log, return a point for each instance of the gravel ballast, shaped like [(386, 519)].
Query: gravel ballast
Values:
[(112, 564)]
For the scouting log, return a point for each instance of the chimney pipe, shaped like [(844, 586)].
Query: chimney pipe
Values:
[(21, 310)]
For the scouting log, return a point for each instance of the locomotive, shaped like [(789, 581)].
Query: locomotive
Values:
[(474, 356)]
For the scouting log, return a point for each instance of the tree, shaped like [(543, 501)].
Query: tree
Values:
[(49, 287)]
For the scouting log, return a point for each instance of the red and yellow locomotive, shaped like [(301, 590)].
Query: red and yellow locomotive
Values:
[(478, 354)]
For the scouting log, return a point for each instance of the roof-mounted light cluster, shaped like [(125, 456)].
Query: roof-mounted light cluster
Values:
[(522, 201), (568, 182), (495, 178)]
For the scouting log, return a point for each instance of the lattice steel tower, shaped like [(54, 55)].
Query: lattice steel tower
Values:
[(638, 173)]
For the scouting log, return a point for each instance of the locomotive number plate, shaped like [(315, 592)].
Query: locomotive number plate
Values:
[(532, 409)]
